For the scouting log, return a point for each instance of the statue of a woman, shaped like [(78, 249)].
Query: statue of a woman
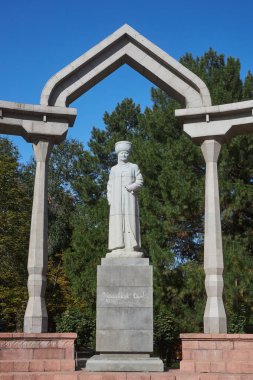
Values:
[(124, 224)]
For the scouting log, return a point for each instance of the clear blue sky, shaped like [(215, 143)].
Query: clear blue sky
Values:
[(38, 38)]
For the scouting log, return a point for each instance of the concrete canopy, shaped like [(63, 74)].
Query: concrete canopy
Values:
[(125, 46)]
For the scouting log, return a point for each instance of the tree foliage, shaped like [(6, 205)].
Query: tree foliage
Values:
[(15, 211)]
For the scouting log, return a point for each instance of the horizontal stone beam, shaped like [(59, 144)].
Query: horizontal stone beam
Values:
[(220, 130), (35, 121), (220, 123), (224, 109)]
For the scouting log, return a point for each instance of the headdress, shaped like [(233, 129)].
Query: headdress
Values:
[(123, 145)]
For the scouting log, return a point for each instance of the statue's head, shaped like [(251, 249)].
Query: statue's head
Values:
[(123, 150)]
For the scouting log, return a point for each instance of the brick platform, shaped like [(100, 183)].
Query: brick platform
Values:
[(23, 353), (81, 375), (51, 357), (218, 354)]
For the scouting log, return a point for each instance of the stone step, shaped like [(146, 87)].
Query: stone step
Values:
[(221, 376), (47, 365), (39, 376), (230, 367), (83, 375)]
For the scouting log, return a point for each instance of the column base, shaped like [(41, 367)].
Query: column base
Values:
[(215, 325), (35, 325), (36, 318), (215, 320), (124, 363)]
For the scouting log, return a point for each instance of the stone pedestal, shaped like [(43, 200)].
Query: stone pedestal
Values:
[(124, 330)]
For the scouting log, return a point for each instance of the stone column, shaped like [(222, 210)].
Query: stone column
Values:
[(36, 318), (215, 317)]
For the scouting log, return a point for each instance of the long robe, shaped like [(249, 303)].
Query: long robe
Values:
[(124, 223)]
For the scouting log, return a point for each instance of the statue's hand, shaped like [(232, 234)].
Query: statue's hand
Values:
[(129, 189)]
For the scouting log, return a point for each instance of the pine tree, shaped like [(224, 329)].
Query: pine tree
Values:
[(15, 214)]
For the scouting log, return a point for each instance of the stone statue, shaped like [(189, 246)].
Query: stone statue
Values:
[(124, 224)]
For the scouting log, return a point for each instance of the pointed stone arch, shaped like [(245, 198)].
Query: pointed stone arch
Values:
[(125, 46)]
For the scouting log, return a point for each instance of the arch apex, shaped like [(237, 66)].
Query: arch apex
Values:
[(125, 46)]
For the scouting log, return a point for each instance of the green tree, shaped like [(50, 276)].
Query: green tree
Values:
[(248, 87), (15, 213), (64, 171), (221, 76), (238, 290)]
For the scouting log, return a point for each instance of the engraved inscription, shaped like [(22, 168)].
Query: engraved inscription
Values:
[(125, 296), (109, 297)]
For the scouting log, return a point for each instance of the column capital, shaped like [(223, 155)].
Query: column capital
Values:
[(42, 150), (211, 150)]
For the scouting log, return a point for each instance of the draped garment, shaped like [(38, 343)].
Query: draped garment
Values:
[(124, 223)]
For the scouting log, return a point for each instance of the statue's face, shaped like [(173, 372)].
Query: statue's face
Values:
[(123, 156)]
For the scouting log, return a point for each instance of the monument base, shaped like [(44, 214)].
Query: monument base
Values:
[(124, 323), (124, 363), (124, 320)]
